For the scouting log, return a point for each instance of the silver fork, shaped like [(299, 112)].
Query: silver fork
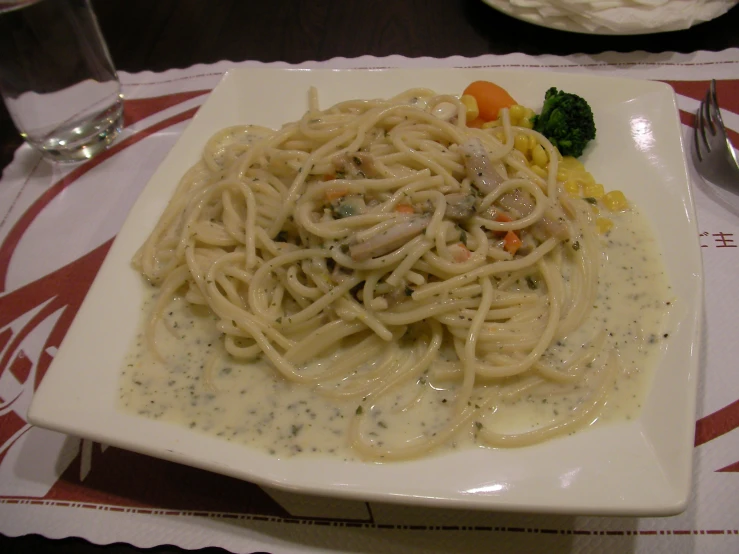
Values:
[(715, 157)]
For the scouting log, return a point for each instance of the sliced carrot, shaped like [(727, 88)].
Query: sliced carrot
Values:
[(404, 209), (511, 242), (476, 123), (336, 193), (460, 252), (490, 98), (502, 217)]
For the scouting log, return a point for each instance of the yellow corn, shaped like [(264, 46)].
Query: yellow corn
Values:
[(489, 124), (532, 142), (562, 174), (572, 186), (593, 190), (568, 162), (584, 177), (539, 156), (604, 225), (516, 112), (528, 113), (615, 201), (595, 209), (540, 171), (521, 143), (470, 103), (525, 123)]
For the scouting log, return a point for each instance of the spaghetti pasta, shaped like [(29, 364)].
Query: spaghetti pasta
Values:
[(384, 253)]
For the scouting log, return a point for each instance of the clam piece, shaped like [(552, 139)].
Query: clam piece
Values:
[(389, 240), (480, 170), (459, 206)]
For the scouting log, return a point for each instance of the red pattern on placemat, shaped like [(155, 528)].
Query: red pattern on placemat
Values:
[(12, 427), (21, 366), (20, 227), (688, 118), (63, 290), (731, 468), (716, 424), (727, 91), (140, 108)]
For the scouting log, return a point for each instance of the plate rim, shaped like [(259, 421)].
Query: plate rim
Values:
[(41, 414)]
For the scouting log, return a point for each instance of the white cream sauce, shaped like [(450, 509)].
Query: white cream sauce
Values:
[(202, 388)]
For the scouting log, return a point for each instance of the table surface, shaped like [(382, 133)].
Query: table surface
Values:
[(144, 35)]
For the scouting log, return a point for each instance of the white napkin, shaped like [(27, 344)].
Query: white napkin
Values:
[(616, 16)]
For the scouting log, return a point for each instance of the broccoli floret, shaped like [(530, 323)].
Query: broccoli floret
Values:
[(567, 121)]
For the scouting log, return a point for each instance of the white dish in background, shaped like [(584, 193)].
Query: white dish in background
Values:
[(642, 467), (619, 20)]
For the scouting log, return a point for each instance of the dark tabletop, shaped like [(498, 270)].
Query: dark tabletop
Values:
[(162, 34)]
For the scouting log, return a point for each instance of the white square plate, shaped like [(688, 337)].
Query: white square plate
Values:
[(641, 467)]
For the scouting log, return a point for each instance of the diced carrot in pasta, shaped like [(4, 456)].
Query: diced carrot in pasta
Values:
[(336, 193), (490, 98), (511, 242), (404, 209)]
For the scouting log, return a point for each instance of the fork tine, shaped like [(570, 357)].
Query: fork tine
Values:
[(714, 105), (700, 138), (696, 131), (711, 103), (715, 157)]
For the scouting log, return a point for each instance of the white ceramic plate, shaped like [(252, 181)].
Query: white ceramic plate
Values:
[(638, 468), (671, 18)]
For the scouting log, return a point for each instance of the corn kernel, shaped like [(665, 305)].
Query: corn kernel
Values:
[(521, 143), (595, 209), (540, 171), (604, 225), (473, 112), (572, 186), (562, 174), (568, 162), (525, 123), (490, 124), (616, 201), (584, 177), (516, 112), (532, 142), (593, 190), (539, 156)]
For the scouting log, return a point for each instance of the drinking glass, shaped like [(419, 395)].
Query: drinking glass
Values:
[(57, 79)]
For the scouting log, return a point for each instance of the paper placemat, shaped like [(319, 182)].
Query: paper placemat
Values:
[(56, 225)]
